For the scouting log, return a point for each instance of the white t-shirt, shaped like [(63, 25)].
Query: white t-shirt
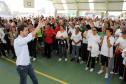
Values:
[(94, 41), (108, 52), (59, 34), (121, 42), (76, 38)]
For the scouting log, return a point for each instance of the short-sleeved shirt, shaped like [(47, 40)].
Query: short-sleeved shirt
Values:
[(105, 50), (76, 38)]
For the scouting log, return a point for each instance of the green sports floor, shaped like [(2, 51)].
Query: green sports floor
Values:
[(50, 71)]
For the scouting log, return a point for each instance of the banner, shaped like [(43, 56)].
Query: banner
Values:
[(28, 3)]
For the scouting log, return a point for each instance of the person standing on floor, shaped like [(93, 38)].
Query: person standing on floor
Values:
[(93, 48), (23, 63), (62, 36), (121, 45), (76, 43), (107, 43), (32, 45), (12, 36), (49, 34)]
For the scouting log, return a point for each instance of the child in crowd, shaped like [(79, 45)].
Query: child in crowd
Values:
[(107, 43)]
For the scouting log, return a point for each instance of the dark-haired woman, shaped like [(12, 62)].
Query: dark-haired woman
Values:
[(62, 43)]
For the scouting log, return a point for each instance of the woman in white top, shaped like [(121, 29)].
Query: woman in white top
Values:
[(93, 47), (76, 43), (62, 43)]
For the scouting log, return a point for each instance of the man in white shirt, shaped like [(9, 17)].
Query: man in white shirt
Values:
[(23, 63)]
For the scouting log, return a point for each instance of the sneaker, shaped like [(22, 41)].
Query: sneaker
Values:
[(121, 78), (106, 75), (115, 73), (79, 58), (92, 69), (100, 72), (81, 62), (86, 68), (60, 59), (66, 59), (34, 59), (111, 72)]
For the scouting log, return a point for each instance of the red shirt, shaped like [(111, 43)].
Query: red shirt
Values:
[(49, 33), (57, 28)]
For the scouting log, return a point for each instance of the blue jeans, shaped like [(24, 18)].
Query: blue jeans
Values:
[(75, 51), (23, 71), (62, 51)]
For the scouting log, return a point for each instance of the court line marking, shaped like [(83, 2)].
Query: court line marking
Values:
[(41, 73)]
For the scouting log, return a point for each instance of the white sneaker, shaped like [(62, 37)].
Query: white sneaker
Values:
[(81, 62), (86, 68), (92, 69), (60, 59), (100, 72), (106, 75), (79, 58), (111, 72), (115, 73), (121, 78), (66, 59), (34, 59)]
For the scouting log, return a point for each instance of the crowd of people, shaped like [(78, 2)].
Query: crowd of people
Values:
[(85, 40)]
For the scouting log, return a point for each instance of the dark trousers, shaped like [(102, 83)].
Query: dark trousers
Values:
[(71, 48), (116, 63), (2, 49), (121, 66), (55, 46), (48, 49), (7, 47), (91, 62), (84, 52), (125, 74), (32, 50), (104, 60), (13, 52), (40, 40), (23, 71), (62, 51)]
